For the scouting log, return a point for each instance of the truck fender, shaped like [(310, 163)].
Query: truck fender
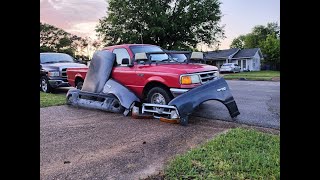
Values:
[(125, 96), (217, 89)]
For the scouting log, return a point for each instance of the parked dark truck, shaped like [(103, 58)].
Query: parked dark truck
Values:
[(53, 67), (172, 89), (156, 77)]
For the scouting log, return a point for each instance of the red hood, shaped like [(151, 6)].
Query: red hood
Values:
[(179, 68)]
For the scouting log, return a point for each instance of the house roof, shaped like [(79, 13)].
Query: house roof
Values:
[(247, 53), (221, 54)]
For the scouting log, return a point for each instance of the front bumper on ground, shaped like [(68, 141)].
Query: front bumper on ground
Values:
[(183, 105)]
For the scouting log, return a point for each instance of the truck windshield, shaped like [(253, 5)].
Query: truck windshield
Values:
[(55, 58), (150, 49)]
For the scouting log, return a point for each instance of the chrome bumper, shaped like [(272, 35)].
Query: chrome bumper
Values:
[(176, 92), (58, 83)]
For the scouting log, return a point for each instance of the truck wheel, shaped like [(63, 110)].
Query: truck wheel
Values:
[(116, 106), (44, 85), (69, 99), (159, 95), (79, 85)]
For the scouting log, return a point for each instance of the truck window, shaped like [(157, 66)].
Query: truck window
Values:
[(120, 54)]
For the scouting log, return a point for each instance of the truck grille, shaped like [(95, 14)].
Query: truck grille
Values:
[(64, 72), (207, 76)]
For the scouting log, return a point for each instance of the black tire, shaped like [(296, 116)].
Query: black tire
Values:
[(166, 95), (116, 106), (184, 121), (44, 85), (79, 85)]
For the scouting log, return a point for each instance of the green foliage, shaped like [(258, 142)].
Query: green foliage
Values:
[(238, 154), (238, 42), (53, 39), (178, 24), (48, 99), (254, 75), (271, 48)]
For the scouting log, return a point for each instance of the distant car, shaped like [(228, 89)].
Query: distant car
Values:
[(53, 67), (230, 67)]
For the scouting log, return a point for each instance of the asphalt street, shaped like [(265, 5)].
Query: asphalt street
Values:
[(257, 101)]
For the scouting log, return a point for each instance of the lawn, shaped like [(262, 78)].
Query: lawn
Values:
[(49, 99), (254, 75), (238, 154)]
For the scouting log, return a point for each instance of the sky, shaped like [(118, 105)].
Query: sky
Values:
[(81, 16)]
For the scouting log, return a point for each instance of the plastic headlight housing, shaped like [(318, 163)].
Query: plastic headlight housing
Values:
[(216, 74), (53, 73), (189, 79)]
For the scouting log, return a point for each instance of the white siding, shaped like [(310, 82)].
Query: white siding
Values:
[(257, 61), (249, 64)]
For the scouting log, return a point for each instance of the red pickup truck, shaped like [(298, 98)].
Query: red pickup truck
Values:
[(157, 79)]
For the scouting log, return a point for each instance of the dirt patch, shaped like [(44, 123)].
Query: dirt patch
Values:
[(275, 79)]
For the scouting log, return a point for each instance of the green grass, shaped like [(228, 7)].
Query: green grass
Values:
[(49, 99), (254, 75), (238, 154)]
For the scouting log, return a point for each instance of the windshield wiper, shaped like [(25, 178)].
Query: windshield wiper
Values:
[(169, 60), (64, 61), (49, 62)]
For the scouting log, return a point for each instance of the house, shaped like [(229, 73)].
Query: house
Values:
[(247, 59), (217, 58)]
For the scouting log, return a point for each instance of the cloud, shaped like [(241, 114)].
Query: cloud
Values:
[(76, 15), (83, 29)]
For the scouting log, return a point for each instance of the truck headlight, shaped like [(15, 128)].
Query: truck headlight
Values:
[(189, 79), (216, 74), (53, 73)]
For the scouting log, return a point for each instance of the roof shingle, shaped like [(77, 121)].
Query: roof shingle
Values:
[(246, 53), (220, 54)]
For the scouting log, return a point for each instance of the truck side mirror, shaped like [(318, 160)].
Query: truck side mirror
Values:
[(126, 61)]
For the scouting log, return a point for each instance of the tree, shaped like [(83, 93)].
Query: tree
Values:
[(271, 49), (171, 24), (53, 39), (238, 42), (258, 34)]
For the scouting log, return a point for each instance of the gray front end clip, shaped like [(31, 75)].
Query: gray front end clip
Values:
[(185, 104)]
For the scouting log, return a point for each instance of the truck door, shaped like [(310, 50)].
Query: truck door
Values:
[(122, 73)]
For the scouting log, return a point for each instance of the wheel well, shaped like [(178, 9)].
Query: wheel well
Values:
[(152, 84), (78, 79)]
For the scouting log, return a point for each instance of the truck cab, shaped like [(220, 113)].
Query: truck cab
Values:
[(153, 75)]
